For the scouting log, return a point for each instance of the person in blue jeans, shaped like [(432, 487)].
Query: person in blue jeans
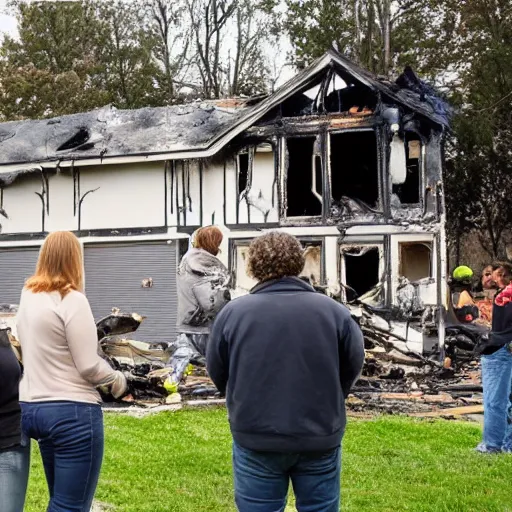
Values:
[(497, 369), (286, 357), (14, 447), (62, 369)]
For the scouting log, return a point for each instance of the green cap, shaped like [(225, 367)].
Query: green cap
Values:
[(462, 273)]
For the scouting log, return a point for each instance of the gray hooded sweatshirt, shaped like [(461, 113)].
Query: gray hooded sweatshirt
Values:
[(202, 282)]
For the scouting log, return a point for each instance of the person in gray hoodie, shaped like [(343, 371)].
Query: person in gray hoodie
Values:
[(203, 290)]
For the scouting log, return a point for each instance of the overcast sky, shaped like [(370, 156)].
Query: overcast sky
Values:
[(7, 23)]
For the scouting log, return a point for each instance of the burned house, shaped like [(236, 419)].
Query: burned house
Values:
[(349, 163)]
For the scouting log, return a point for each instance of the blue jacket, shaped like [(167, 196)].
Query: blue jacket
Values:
[(286, 357)]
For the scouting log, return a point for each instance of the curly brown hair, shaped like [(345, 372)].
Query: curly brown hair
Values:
[(275, 255)]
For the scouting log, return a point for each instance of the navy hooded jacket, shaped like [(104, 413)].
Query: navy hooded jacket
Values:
[(286, 357)]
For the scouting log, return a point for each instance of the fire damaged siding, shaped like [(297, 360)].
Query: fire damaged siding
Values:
[(347, 162), (133, 196), (16, 265), (135, 277)]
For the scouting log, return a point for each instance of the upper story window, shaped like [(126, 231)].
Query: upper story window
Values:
[(406, 168), (304, 177), (354, 168)]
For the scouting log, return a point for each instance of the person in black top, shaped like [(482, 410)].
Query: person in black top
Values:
[(14, 448), (497, 369), (286, 357)]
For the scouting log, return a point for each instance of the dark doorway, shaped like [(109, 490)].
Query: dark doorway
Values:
[(304, 178), (361, 270), (354, 167)]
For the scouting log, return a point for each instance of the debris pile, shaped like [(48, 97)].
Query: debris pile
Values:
[(145, 364), (398, 378)]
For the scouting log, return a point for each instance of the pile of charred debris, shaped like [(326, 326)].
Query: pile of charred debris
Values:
[(396, 377)]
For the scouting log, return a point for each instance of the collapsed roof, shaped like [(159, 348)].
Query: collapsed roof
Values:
[(193, 130), (109, 131)]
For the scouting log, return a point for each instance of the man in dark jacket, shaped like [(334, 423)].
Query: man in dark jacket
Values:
[(286, 357)]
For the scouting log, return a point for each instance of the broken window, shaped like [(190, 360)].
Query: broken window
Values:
[(304, 177), (244, 283), (354, 167), (243, 172), (301, 103), (406, 185), (342, 96), (331, 93), (313, 266), (415, 260), (362, 265)]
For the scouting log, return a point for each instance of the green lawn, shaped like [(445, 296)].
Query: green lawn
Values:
[(181, 462)]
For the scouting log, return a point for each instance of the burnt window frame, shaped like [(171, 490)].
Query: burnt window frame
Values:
[(251, 146), (382, 244), (426, 243), (311, 219), (234, 243), (421, 165), (396, 239), (381, 203)]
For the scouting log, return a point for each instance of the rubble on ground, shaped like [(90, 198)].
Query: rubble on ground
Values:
[(396, 378), (145, 364)]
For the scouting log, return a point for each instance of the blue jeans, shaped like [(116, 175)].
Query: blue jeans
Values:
[(188, 348), (14, 466), (497, 384), (70, 436), (262, 480)]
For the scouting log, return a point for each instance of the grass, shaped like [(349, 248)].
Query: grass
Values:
[(181, 462)]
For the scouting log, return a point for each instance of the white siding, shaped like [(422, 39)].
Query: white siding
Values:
[(263, 186), (61, 216), (127, 196), (23, 206), (213, 194)]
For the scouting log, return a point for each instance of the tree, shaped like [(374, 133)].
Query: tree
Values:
[(209, 19), (172, 36), (381, 35), (76, 56), (216, 25), (481, 158), (127, 43), (53, 69), (250, 71)]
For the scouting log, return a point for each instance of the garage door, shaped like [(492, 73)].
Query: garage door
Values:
[(114, 276), (16, 266)]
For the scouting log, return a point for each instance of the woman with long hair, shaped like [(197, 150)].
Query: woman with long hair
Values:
[(62, 369)]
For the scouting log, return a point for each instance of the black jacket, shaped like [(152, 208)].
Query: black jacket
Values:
[(286, 357), (10, 413), (501, 332)]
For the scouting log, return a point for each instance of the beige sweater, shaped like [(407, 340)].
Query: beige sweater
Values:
[(60, 349)]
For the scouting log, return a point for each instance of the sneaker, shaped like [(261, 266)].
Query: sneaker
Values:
[(483, 448)]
